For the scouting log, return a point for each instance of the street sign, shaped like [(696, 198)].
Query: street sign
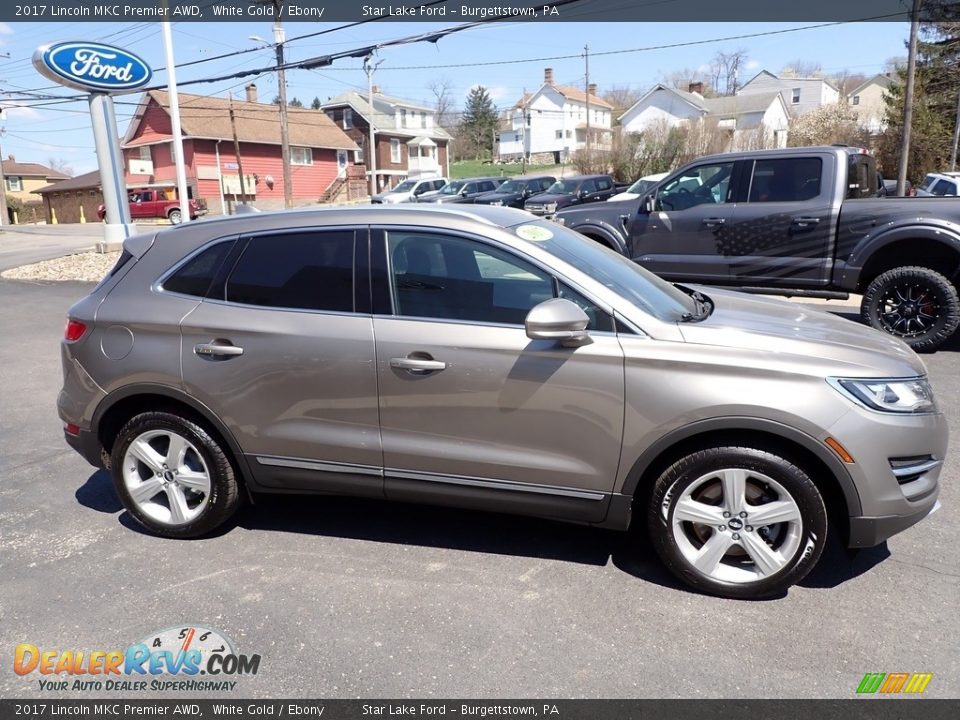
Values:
[(92, 67)]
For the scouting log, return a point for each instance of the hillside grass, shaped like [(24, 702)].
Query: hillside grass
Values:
[(479, 168)]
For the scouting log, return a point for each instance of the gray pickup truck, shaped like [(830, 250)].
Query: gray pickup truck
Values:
[(796, 221)]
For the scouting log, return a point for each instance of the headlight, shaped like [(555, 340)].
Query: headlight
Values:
[(911, 395), (559, 220), (550, 207), (498, 203)]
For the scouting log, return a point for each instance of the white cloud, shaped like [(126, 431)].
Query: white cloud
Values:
[(5, 29), (21, 112), (496, 92), (752, 64)]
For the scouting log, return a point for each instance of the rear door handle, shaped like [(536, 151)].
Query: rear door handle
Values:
[(217, 348), (805, 222), (417, 365), (713, 222)]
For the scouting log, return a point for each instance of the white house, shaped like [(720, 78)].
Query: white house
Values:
[(742, 117), (554, 120), (868, 104), (801, 95)]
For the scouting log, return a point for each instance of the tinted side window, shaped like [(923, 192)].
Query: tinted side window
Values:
[(546, 183), (944, 188), (785, 180), (704, 184), (588, 186), (599, 320), (487, 186), (195, 276), (303, 270), (603, 184), (449, 278)]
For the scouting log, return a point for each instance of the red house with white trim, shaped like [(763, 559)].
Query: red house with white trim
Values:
[(319, 152)]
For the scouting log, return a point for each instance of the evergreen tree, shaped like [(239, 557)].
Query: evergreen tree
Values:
[(316, 103), (480, 120), (295, 103)]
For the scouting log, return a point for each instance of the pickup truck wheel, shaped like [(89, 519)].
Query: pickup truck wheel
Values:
[(174, 217), (916, 304), (738, 522)]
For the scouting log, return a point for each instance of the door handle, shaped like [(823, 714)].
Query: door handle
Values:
[(805, 222), (713, 222), (217, 348), (417, 365)]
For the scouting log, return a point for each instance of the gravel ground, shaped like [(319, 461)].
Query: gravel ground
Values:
[(84, 267)]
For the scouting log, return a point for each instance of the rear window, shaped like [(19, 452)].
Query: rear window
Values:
[(302, 270), (195, 276)]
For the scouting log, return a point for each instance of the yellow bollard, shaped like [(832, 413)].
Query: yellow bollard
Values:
[(53, 216), (83, 218), (16, 218)]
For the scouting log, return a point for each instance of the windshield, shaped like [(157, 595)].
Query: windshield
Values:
[(564, 187), (641, 186), (927, 182), (451, 188), (512, 186), (405, 186), (630, 281)]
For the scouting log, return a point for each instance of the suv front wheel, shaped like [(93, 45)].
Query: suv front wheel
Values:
[(737, 522), (173, 476)]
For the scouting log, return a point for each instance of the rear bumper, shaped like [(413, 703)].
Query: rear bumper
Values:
[(86, 443), (869, 531)]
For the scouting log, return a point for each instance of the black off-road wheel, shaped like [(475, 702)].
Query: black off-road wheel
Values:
[(916, 304)]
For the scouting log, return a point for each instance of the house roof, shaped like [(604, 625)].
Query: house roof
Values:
[(790, 78), (880, 79), (86, 181), (384, 116), (730, 105), (693, 99), (29, 169), (202, 116), (578, 95)]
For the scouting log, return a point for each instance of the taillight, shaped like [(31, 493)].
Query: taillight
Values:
[(71, 429), (74, 330)]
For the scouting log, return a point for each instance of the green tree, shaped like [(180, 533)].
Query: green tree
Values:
[(935, 97), (480, 121), (295, 103), (316, 103)]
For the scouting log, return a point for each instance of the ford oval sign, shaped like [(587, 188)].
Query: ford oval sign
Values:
[(92, 66)]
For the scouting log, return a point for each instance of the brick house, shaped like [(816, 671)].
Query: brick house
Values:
[(66, 198), (319, 151), (20, 182), (408, 140)]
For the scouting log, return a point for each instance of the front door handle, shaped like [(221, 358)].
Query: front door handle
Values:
[(217, 348), (805, 222), (417, 365), (714, 222)]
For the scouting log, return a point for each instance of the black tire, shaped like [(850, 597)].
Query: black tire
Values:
[(803, 541), (175, 217), (916, 304), (224, 495)]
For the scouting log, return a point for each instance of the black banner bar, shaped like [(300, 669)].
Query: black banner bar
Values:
[(455, 11), (873, 708)]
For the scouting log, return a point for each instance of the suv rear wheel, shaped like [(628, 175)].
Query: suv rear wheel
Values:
[(916, 304), (737, 522), (175, 216), (173, 476)]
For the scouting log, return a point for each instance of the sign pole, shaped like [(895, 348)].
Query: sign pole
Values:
[(105, 140), (175, 122)]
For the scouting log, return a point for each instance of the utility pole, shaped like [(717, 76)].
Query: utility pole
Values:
[(956, 138), (371, 155), (236, 150), (279, 38), (908, 99), (586, 60)]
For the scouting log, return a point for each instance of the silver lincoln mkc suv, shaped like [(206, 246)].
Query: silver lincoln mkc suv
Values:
[(479, 357)]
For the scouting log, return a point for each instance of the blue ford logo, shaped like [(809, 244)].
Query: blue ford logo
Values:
[(92, 66)]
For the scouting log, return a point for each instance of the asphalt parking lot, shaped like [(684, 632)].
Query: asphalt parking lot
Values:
[(347, 598)]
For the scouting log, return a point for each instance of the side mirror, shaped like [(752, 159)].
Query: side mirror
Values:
[(463, 193), (649, 204), (558, 319)]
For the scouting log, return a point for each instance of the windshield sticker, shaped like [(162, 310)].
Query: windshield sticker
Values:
[(533, 232)]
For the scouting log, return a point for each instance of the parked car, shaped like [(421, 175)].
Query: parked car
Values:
[(796, 221), (572, 191), (939, 185), (462, 191), (641, 186), (483, 358), (408, 191), (155, 203), (515, 191), (888, 188)]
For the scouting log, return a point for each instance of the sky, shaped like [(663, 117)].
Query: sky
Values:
[(34, 132)]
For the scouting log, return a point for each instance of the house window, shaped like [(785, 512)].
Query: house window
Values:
[(423, 119), (559, 134), (413, 151), (347, 118), (856, 99), (14, 183), (403, 118), (394, 150), (569, 134), (301, 156), (796, 96), (358, 156), (516, 137), (145, 153)]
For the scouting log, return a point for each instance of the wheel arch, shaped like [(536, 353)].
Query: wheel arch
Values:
[(928, 246), (825, 469), (602, 235), (121, 405)]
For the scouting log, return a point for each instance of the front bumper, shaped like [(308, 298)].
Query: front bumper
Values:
[(869, 531)]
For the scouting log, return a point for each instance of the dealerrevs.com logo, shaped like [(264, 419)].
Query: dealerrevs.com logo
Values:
[(169, 660)]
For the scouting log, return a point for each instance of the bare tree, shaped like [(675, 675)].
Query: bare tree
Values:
[(622, 97), (683, 78), (725, 70), (847, 81), (60, 165), (802, 69), (443, 102), (893, 64)]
